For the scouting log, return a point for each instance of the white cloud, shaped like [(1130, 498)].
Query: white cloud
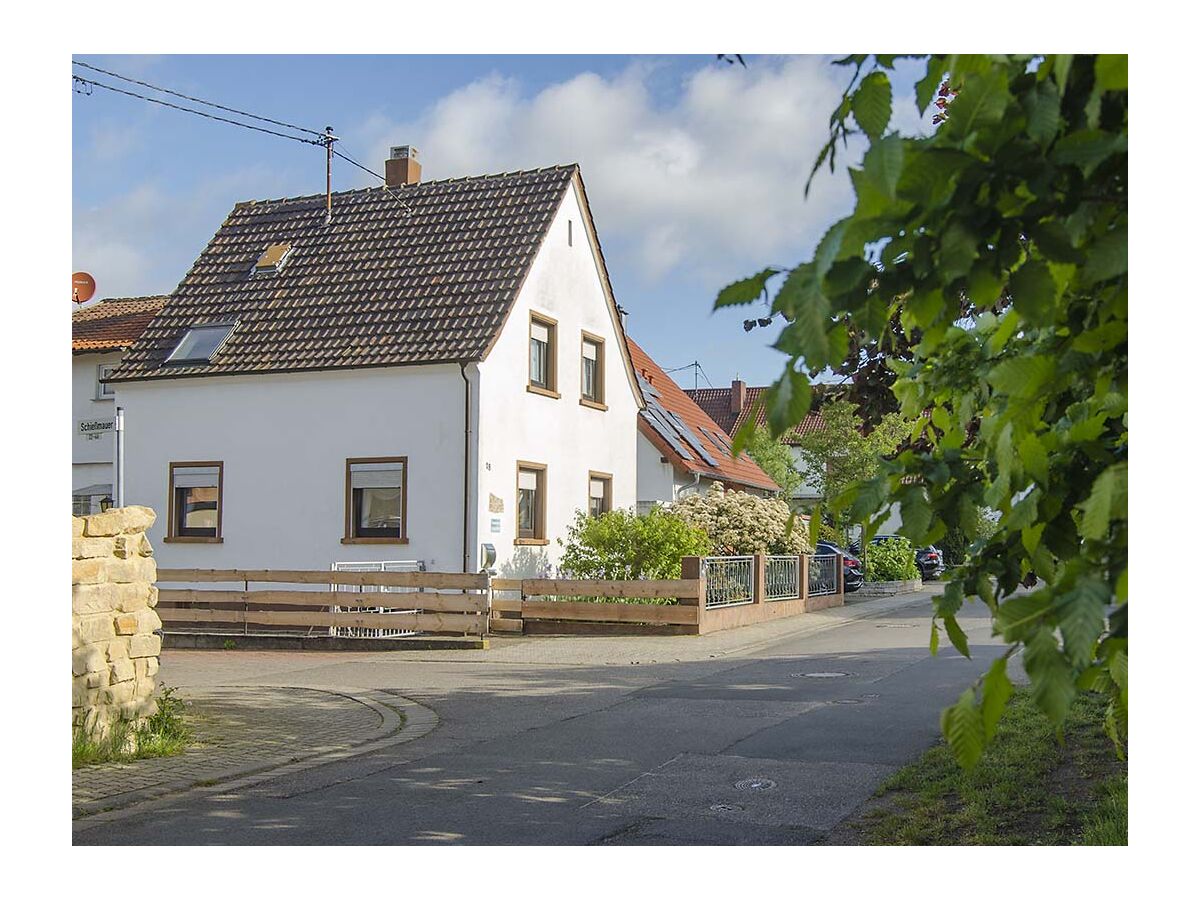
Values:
[(710, 181)]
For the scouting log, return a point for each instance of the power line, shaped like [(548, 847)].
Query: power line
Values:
[(164, 90), (387, 188), (78, 79)]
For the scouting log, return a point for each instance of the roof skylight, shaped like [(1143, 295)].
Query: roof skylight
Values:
[(200, 343), (273, 258)]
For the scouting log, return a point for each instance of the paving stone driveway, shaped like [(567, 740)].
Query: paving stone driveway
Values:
[(239, 731)]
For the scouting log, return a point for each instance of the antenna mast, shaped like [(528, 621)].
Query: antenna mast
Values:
[(329, 139)]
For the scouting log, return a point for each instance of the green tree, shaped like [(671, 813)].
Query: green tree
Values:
[(621, 545), (842, 454), (998, 246), (774, 457)]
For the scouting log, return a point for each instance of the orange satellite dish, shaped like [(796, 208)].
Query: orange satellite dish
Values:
[(83, 286)]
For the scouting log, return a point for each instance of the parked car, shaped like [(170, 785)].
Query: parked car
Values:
[(930, 562), (852, 570)]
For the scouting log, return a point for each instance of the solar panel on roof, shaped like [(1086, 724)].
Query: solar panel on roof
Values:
[(690, 436), (660, 425), (646, 387)]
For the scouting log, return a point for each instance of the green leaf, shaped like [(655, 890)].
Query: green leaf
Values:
[(1031, 537), (1062, 69), (1081, 618), (1007, 327), (935, 71), (996, 690), (1033, 457), (801, 298), (787, 402), (1016, 615), (745, 291), (1022, 376), (1024, 513), (933, 638), (1123, 586), (872, 104), (1108, 257), (869, 497), (1042, 112), (745, 432), (1050, 676), (884, 162), (915, 515), (1106, 502), (1105, 337), (957, 637), (1087, 149), (1112, 72), (814, 525), (981, 102), (959, 248), (962, 725), (1035, 293), (829, 248)]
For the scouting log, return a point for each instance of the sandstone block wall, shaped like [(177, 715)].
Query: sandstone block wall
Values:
[(114, 650)]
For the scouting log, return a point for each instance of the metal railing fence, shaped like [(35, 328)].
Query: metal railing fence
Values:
[(729, 580), (823, 574), (782, 577)]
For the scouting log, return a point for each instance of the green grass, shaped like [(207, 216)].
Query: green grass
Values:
[(165, 733), (1027, 789)]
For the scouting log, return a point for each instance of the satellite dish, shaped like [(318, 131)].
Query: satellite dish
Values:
[(83, 287)]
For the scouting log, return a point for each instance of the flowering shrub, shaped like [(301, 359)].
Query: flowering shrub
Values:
[(892, 560), (738, 523), (620, 545)]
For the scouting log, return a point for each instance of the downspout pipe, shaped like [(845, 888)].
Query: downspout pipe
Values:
[(466, 487)]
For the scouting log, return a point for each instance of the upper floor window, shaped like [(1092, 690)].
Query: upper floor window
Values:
[(377, 499), (591, 376), (195, 501), (599, 493), (542, 354), (104, 391), (200, 343)]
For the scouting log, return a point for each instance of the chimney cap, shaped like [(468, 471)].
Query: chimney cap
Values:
[(405, 151)]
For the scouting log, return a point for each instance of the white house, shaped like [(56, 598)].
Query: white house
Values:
[(680, 448), (100, 334), (435, 366)]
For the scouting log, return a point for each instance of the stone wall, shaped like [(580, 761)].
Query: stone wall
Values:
[(888, 588), (114, 650)]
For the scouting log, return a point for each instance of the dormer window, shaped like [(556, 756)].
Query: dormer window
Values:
[(272, 259), (200, 343)]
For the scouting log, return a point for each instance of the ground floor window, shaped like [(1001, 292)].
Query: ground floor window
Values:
[(599, 493), (531, 503), (377, 499), (195, 501), (95, 498)]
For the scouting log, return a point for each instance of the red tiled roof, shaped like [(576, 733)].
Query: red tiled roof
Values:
[(716, 403), (112, 324), (740, 471)]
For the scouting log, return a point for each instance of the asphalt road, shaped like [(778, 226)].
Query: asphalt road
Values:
[(771, 745)]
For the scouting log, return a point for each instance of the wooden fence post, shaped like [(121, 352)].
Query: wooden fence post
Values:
[(691, 570), (760, 577)]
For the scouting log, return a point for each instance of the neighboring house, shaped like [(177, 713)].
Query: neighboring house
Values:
[(730, 407), (440, 366), (100, 334), (680, 448)]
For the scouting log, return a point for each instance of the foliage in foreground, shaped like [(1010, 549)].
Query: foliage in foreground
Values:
[(621, 545), (738, 523), (891, 560), (1027, 788), (986, 267), (165, 733)]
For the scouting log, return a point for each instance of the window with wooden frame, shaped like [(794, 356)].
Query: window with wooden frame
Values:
[(599, 493), (194, 501), (531, 503), (591, 371), (543, 355), (377, 500)]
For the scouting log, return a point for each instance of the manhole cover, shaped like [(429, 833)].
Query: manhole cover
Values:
[(725, 807), (819, 675), (755, 784)]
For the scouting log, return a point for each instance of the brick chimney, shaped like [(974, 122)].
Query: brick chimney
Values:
[(402, 168), (737, 396)]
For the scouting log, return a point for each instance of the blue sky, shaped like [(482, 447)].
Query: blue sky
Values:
[(694, 169)]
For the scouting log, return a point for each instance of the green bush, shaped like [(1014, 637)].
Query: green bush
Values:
[(892, 560), (621, 545), (738, 523)]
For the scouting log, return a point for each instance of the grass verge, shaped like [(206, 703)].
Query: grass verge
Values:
[(165, 733), (1027, 789)]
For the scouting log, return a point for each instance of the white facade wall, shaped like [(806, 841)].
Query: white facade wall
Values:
[(91, 455), (565, 284), (284, 440)]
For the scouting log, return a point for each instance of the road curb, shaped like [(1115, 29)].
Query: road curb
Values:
[(403, 720)]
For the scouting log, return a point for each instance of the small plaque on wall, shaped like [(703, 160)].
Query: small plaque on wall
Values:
[(495, 504)]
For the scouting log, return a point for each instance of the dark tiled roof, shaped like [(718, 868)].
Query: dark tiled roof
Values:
[(741, 470), (112, 324), (425, 274), (716, 402)]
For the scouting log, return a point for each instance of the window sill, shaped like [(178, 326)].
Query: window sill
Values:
[(593, 404), (374, 540), (188, 539), (103, 399), (531, 542), (534, 389)]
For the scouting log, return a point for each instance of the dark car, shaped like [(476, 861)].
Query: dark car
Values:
[(930, 562), (852, 571)]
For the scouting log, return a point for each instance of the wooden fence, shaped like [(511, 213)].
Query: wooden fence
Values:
[(520, 605), (440, 602)]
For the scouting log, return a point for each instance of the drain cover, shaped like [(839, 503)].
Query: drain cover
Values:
[(725, 807), (820, 675), (755, 784)]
